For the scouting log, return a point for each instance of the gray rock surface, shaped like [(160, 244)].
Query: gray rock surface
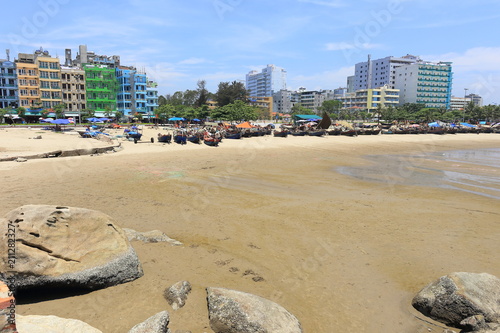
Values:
[(232, 311), (458, 296), (154, 236), (52, 324), (66, 247), (176, 295), (155, 324)]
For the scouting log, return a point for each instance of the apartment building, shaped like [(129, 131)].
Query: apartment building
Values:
[(74, 94), (49, 74), (266, 83), (8, 85), (132, 90), (425, 82), (28, 81), (101, 86), (370, 99)]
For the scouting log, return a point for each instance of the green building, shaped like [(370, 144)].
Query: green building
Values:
[(102, 87)]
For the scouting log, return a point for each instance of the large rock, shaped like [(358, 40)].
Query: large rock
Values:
[(176, 295), (52, 324), (155, 324), (65, 247), (153, 236), (233, 311), (458, 296)]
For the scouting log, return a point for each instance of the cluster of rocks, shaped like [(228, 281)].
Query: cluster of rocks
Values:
[(65, 153), (468, 301), (76, 248)]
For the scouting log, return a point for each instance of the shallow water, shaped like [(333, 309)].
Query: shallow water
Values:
[(473, 171)]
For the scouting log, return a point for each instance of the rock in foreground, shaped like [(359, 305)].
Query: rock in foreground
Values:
[(177, 294), (52, 324), (458, 296), (155, 324), (233, 311), (65, 247)]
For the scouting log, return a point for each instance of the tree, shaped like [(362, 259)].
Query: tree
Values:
[(118, 115), (202, 94), (299, 109), (21, 112), (59, 110), (88, 113), (428, 115), (108, 111), (228, 93), (236, 111), (202, 112), (331, 106), (162, 100)]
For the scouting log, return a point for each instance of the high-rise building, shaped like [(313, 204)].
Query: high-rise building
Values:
[(49, 71), (380, 72), (282, 101), (74, 93), (8, 85), (101, 85), (132, 91), (264, 84), (426, 83), (28, 81), (310, 99), (151, 97)]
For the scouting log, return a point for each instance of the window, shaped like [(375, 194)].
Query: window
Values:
[(32, 72), (23, 92), (23, 82), (21, 71)]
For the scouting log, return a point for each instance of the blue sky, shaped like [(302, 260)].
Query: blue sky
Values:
[(316, 41)]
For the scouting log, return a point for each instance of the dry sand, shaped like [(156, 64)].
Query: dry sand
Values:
[(272, 217)]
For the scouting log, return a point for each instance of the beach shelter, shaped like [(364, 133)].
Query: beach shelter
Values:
[(434, 124), (60, 121), (246, 124), (307, 117), (94, 120), (176, 119)]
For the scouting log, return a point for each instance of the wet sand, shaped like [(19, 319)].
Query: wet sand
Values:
[(272, 217)]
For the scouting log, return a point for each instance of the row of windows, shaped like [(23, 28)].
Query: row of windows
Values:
[(31, 72)]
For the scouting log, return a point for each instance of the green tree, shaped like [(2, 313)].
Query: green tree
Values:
[(202, 94), (108, 112), (87, 113), (427, 115), (299, 109), (228, 93), (473, 112), (162, 100), (21, 112), (59, 110), (236, 111), (331, 106), (118, 116), (202, 112)]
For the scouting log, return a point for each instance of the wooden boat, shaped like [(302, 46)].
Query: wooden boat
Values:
[(210, 140), (233, 135), (349, 132), (136, 135), (334, 131), (194, 138), (180, 137), (280, 133), (316, 132), (165, 138), (298, 133)]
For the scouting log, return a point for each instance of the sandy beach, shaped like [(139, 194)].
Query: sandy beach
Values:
[(269, 216)]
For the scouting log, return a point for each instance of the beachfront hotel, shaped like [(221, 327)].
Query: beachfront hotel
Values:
[(425, 82), (264, 84)]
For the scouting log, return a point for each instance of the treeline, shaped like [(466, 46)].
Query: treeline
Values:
[(415, 112), (231, 103)]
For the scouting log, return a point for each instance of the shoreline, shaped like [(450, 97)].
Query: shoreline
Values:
[(330, 248)]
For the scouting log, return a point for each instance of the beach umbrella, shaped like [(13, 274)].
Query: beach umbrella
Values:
[(46, 120), (94, 120), (195, 119), (104, 119), (176, 119), (60, 121), (467, 125)]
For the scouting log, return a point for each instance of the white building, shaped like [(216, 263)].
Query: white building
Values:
[(458, 103), (264, 84), (380, 72), (310, 99), (425, 82)]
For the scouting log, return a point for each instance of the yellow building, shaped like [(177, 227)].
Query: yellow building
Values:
[(370, 99), (265, 103), (50, 81), (28, 81)]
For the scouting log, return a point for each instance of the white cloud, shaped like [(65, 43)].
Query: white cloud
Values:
[(192, 61), (343, 46)]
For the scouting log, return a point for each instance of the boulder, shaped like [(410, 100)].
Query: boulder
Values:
[(176, 295), (52, 324), (65, 247), (155, 324), (458, 296), (154, 236), (232, 311), (7, 310)]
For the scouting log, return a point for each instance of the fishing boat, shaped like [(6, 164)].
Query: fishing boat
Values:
[(180, 137), (320, 132), (298, 133), (233, 135), (211, 140), (280, 133), (165, 138)]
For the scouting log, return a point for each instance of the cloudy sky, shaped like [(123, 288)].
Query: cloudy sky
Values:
[(316, 41)]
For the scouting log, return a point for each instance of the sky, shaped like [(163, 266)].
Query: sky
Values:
[(317, 42)]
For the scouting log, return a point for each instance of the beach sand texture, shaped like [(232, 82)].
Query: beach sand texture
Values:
[(269, 216)]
